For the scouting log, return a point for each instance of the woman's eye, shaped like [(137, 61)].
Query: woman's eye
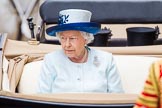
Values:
[(62, 38), (73, 38)]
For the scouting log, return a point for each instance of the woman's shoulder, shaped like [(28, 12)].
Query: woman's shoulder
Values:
[(101, 52), (54, 54), (101, 55)]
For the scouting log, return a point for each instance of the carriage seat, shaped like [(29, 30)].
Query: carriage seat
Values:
[(133, 70)]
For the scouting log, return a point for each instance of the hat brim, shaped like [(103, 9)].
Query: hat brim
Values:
[(89, 27)]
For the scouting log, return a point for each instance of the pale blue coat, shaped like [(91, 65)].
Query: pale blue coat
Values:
[(98, 74)]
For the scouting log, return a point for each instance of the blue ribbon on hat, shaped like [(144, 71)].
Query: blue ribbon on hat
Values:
[(86, 27)]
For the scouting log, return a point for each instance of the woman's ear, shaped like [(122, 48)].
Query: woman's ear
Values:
[(86, 41)]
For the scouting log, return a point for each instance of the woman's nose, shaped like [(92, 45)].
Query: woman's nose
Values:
[(67, 43)]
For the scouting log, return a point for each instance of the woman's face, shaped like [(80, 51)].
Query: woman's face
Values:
[(73, 43)]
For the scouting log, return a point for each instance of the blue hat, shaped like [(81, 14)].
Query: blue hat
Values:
[(74, 19)]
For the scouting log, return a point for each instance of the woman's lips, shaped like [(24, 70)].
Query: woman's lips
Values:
[(69, 51)]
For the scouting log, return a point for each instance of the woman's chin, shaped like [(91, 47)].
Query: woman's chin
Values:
[(69, 55)]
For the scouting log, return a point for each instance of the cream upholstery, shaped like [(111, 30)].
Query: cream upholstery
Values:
[(28, 81), (133, 71)]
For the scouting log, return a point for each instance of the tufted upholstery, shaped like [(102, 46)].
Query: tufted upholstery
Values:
[(133, 71)]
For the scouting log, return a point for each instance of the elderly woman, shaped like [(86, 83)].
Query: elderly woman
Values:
[(76, 67)]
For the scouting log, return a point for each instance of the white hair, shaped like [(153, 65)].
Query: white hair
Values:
[(88, 36)]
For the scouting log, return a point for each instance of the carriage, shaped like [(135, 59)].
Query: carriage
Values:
[(21, 60)]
